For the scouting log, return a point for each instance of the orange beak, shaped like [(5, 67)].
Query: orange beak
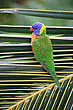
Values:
[(31, 29)]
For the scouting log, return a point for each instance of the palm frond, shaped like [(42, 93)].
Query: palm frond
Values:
[(38, 100), (24, 84), (40, 13), (7, 29)]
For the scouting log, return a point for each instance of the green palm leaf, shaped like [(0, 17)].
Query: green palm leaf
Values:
[(40, 13), (24, 84)]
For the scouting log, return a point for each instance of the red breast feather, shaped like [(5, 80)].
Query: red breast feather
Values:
[(32, 38)]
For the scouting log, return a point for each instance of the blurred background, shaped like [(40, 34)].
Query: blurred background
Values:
[(11, 19)]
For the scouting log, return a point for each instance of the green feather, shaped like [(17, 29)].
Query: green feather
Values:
[(43, 51)]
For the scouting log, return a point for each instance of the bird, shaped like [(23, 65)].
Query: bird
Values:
[(43, 49)]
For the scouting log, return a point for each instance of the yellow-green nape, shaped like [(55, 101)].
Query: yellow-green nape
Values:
[(42, 28)]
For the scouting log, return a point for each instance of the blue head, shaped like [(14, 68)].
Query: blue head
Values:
[(37, 28)]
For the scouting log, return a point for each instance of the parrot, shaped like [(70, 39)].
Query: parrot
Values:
[(43, 50)]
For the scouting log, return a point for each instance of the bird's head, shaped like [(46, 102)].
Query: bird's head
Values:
[(38, 28)]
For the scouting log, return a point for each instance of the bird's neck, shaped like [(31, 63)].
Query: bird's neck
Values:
[(33, 37), (43, 33)]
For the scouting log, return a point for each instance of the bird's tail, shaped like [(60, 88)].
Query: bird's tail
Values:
[(56, 80), (49, 67)]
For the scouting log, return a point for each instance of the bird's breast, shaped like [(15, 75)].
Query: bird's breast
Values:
[(33, 37)]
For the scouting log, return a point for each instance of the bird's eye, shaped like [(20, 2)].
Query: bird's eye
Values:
[(35, 28)]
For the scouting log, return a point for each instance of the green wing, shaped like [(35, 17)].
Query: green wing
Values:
[(42, 48)]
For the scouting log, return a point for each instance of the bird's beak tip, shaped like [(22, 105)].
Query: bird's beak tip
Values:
[(31, 29)]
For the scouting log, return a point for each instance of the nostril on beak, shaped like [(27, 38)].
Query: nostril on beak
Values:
[(31, 29)]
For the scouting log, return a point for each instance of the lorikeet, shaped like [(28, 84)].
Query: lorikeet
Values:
[(42, 49)]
